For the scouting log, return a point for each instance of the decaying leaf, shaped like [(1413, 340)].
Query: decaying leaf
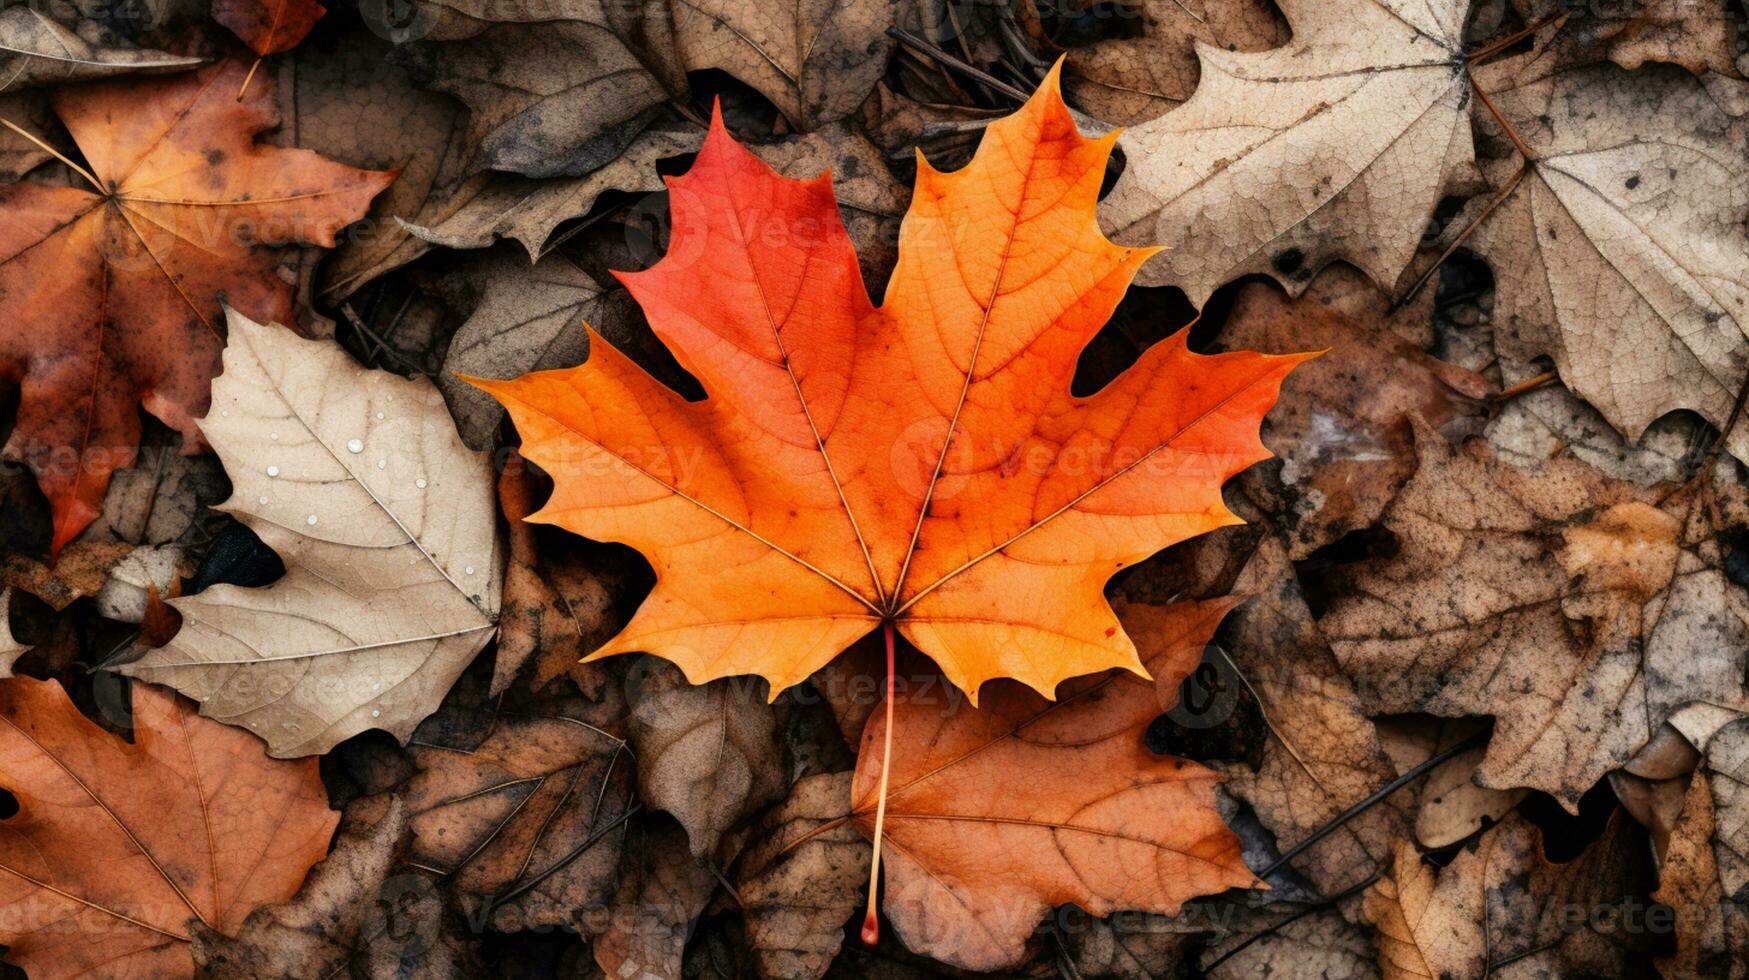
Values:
[(707, 754), (387, 527), (922, 464), (36, 50), (119, 283), (1502, 910), (662, 892), (1706, 870), (1315, 943), (1366, 110), (118, 848), (10, 649), (1695, 34), (802, 879), (526, 825), (1622, 251), (997, 814), (1618, 589), (1152, 66), (548, 95)]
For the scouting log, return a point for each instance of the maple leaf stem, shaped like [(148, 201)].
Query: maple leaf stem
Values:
[(244, 88), (51, 151), (871, 922)]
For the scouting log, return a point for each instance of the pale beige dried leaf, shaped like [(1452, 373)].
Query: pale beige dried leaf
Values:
[(387, 526), (37, 50), (1448, 806), (1620, 590), (707, 754), (1502, 910), (1152, 66), (10, 649), (1366, 110), (796, 900), (1623, 253)]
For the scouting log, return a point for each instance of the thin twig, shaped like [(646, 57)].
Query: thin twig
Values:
[(1527, 385), (921, 46), (1500, 196), (1335, 899)]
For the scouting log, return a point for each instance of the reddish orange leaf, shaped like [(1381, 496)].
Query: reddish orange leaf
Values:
[(117, 849), (268, 26), (922, 464), (997, 815), (112, 291)]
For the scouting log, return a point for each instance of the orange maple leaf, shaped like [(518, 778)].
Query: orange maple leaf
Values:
[(112, 291), (119, 849), (921, 465), (996, 816)]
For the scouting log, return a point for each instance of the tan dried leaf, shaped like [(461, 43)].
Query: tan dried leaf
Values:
[(36, 50), (1365, 107), (662, 892), (1152, 67), (1706, 870), (387, 526)]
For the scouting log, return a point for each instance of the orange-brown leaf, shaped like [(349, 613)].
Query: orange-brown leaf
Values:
[(922, 463), (996, 815), (112, 292), (117, 848), (268, 26)]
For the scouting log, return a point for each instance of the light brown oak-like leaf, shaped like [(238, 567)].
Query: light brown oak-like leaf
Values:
[(1337, 145), (1620, 590), (119, 848), (387, 525)]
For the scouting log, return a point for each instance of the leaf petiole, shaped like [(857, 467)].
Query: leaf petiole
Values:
[(871, 921)]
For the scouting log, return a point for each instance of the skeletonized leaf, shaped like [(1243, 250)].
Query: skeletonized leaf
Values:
[(387, 526), (1337, 145)]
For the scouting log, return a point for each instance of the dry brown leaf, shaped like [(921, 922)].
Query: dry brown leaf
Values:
[(10, 649), (1323, 755), (116, 846), (662, 891), (1342, 427), (1152, 67), (37, 50), (1320, 943), (1617, 589), (707, 754), (1365, 108), (1502, 910), (525, 823), (361, 914), (30, 111), (388, 529), (553, 89), (796, 897), (1706, 869), (1696, 34), (1447, 804), (1623, 253)]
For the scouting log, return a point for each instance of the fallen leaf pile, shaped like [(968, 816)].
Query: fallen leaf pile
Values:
[(882, 488)]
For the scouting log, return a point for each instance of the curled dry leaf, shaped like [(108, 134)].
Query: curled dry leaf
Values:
[(922, 464), (526, 825), (387, 526), (1503, 910), (997, 814), (36, 50), (119, 283), (707, 754), (1706, 870), (802, 879), (1365, 107), (118, 849), (1619, 589), (1622, 249), (268, 26)]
